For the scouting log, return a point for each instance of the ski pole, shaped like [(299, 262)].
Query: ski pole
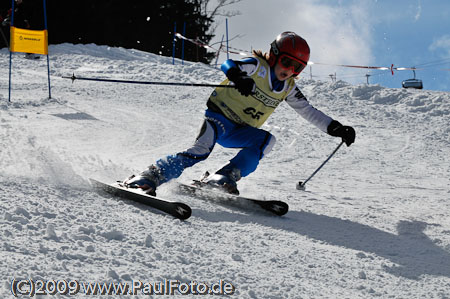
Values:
[(73, 78), (301, 185)]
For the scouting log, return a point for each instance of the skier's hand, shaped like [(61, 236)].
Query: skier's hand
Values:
[(347, 133), (243, 83)]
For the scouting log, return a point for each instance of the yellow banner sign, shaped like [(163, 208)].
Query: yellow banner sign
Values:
[(29, 41)]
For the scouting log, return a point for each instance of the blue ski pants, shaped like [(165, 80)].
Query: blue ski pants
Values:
[(255, 143)]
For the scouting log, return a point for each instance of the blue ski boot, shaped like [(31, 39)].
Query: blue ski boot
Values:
[(147, 180), (225, 178)]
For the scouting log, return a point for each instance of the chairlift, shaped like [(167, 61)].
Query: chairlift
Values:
[(413, 83)]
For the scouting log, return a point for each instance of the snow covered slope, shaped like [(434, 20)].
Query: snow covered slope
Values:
[(373, 223)]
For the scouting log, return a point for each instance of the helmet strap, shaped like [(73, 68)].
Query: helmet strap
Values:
[(274, 48), (274, 52)]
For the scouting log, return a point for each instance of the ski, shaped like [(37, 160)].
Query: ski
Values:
[(176, 209), (204, 191)]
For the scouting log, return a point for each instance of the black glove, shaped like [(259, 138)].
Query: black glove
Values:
[(347, 133), (244, 84)]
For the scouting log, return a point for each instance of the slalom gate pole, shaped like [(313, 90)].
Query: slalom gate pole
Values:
[(73, 78), (10, 53), (226, 29), (301, 185)]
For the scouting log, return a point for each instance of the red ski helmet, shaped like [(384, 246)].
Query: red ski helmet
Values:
[(288, 44)]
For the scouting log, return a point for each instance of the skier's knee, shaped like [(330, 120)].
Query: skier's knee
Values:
[(199, 151), (271, 142), (204, 142)]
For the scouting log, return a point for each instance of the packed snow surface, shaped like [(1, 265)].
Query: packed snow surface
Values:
[(374, 222)]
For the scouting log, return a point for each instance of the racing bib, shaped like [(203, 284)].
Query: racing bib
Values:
[(255, 109)]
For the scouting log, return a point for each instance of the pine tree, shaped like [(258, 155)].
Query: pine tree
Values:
[(144, 25)]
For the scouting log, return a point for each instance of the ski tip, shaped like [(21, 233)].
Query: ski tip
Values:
[(279, 208), (182, 211)]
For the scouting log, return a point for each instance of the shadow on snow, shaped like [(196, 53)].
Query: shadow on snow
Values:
[(411, 249)]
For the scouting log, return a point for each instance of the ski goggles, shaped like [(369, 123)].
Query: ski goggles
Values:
[(290, 63)]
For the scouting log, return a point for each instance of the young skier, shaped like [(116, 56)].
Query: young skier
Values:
[(234, 116)]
